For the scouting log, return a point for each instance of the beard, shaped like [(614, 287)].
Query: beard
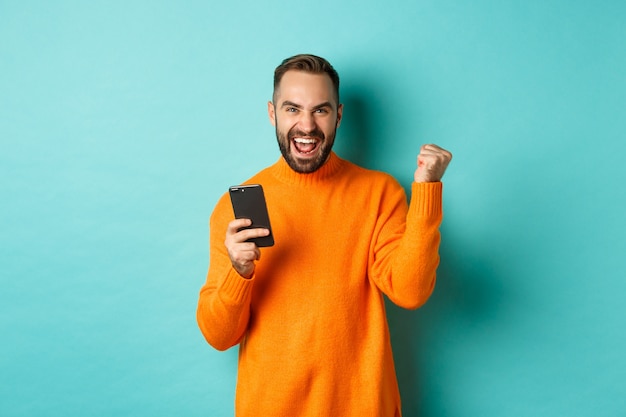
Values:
[(305, 166)]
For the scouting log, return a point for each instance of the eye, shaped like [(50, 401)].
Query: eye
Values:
[(321, 111), (291, 109)]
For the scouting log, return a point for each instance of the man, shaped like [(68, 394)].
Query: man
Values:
[(308, 313)]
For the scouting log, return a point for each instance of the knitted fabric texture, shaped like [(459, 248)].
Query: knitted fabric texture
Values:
[(311, 322)]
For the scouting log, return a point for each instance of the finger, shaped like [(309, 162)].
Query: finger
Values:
[(431, 147), (429, 157), (235, 225), (245, 253), (447, 155), (246, 234)]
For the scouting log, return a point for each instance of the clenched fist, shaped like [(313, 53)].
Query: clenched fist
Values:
[(432, 162)]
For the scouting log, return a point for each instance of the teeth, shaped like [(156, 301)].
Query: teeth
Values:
[(304, 140)]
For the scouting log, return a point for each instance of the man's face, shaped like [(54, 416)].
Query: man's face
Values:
[(306, 116)]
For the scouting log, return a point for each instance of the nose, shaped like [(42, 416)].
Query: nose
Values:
[(307, 122)]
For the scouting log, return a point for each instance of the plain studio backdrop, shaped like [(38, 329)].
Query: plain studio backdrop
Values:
[(122, 123)]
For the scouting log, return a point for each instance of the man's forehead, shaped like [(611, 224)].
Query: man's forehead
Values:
[(301, 74), (305, 85)]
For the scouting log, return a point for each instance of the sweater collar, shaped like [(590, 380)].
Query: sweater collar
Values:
[(284, 173)]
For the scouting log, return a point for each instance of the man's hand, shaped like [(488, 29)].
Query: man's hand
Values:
[(432, 162), (243, 254)]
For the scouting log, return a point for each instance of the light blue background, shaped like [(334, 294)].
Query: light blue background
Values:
[(121, 123)]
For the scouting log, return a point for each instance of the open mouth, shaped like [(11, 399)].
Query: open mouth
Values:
[(305, 146)]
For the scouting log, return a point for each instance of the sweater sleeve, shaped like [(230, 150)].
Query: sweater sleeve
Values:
[(224, 304), (406, 249)]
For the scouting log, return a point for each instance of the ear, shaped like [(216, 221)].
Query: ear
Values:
[(339, 114), (271, 113)]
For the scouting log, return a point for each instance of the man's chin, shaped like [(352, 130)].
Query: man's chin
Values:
[(305, 165)]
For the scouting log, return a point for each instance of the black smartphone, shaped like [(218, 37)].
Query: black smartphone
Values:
[(249, 203)]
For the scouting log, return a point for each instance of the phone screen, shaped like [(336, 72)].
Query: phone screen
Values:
[(249, 203)]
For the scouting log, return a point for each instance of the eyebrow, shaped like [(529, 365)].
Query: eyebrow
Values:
[(288, 103)]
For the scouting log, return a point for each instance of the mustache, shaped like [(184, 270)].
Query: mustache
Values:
[(315, 133)]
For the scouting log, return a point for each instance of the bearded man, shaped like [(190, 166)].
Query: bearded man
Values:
[(309, 314)]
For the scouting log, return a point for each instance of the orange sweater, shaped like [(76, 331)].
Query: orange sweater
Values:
[(311, 322)]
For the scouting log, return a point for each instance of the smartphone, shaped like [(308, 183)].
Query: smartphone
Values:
[(249, 203)]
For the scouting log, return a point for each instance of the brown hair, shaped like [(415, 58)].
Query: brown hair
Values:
[(307, 63)]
